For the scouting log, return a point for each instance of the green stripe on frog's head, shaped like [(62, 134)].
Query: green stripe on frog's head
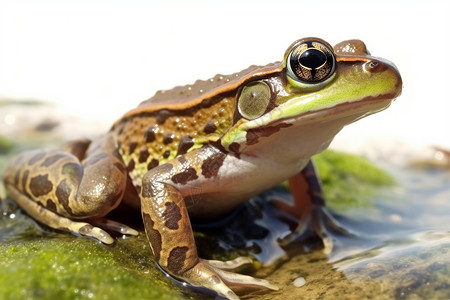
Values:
[(316, 85)]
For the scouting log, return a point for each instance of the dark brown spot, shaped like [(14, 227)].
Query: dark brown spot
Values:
[(117, 155), (152, 164), (172, 215), (209, 127), (253, 135), (119, 167), (149, 134), (52, 159), (153, 235), (94, 159), (120, 130), (40, 185), (17, 177), (212, 164), (188, 175), (143, 154), (37, 157), (50, 205), (162, 116), (168, 138), (62, 193), (78, 148), (131, 147), (176, 259), (130, 166), (234, 147), (166, 154), (185, 144), (25, 179)]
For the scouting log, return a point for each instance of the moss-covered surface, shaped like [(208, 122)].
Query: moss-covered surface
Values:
[(349, 180), (66, 267)]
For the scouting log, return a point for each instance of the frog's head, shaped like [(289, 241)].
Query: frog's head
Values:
[(307, 99)]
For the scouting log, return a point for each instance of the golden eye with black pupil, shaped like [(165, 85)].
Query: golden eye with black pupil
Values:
[(311, 62), (254, 100)]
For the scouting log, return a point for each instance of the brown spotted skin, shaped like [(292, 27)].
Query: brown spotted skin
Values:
[(65, 189), (164, 209), (148, 141)]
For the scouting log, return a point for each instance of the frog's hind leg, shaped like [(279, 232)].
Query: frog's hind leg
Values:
[(59, 190), (55, 221)]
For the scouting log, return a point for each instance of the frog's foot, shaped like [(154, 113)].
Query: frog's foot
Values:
[(113, 226), (213, 275), (320, 222)]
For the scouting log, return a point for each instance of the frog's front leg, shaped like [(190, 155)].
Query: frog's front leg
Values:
[(58, 190), (169, 230)]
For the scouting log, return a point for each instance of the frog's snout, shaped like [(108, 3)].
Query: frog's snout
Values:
[(381, 65)]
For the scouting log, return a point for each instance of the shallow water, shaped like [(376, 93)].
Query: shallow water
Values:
[(399, 247)]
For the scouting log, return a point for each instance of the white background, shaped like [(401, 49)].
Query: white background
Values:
[(98, 59)]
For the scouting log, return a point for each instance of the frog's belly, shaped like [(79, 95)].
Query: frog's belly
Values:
[(237, 181)]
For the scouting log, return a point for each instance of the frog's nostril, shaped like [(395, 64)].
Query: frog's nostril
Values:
[(374, 66)]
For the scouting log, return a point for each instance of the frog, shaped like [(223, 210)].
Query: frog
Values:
[(199, 151)]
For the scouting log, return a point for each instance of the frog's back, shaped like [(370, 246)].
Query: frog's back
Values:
[(204, 89)]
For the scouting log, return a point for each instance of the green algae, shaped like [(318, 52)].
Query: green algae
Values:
[(349, 180), (67, 267)]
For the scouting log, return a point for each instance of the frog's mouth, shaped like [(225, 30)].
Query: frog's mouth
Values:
[(353, 111)]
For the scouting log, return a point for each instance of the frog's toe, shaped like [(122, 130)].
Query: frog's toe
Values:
[(88, 230), (236, 280), (229, 264), (321, 223), (114, 226), (206, 274)]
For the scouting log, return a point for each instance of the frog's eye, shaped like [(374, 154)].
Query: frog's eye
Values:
[(254, 100), (310, 62)]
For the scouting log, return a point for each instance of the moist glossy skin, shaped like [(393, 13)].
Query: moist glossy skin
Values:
[(201, 150)]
